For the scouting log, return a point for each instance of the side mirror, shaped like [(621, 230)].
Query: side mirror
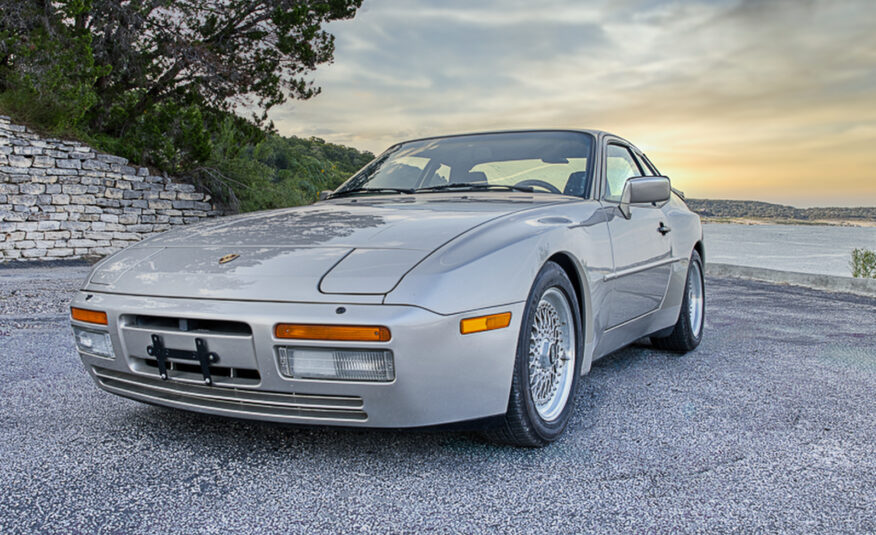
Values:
[(644, 190), (324, 194)]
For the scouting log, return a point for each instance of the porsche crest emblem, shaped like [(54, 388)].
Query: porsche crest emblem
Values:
[(228, 258)]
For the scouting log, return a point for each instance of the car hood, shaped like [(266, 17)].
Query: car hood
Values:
[(350, 246)]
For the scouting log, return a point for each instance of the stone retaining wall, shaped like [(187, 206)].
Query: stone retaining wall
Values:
[(62, 199)]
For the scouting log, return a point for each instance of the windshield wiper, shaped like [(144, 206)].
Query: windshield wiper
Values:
[(370, 190), (476, 186)]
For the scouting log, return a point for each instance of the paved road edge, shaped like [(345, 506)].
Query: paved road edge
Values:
[(830, 283)]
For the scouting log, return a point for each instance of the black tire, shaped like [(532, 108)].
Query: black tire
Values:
[(684, 336), (522, 424)]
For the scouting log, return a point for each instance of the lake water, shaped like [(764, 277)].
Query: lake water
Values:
[(802, 248)]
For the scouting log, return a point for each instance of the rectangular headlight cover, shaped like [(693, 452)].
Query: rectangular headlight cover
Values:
[(374, 365), (94, 342)]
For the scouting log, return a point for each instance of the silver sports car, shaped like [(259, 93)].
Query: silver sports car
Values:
[(470, 278)]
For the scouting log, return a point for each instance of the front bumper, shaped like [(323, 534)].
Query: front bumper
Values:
[(441, 376)]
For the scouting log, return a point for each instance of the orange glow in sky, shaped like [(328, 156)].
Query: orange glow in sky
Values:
[(761, 100)]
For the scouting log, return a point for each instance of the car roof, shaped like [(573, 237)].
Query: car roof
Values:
[(598, 134)]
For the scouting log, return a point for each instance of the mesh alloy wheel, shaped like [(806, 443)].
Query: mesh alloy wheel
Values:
[(551, 354)]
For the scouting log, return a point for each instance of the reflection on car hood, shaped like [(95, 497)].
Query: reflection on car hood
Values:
[(421, 222), (351, 246)]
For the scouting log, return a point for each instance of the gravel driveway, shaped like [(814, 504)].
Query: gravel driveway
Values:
[(770, 426)]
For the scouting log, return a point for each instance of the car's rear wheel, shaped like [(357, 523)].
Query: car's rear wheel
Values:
[(687, 333), (547, 363)]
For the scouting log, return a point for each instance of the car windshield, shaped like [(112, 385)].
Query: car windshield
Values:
[(549, 161)]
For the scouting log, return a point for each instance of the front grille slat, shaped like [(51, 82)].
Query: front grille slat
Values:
[(252, 402), (222, 376), (187, 325)]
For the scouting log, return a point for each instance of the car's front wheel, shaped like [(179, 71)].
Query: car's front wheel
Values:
[(547, 363)]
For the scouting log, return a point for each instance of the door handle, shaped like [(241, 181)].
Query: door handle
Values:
[(663, 229)]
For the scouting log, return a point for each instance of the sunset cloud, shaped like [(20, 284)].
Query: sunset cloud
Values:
[(755, 100)]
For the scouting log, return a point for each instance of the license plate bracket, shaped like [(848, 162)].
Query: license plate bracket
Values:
[(201, 354)]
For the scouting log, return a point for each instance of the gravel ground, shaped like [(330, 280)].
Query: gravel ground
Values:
[(768, 427)]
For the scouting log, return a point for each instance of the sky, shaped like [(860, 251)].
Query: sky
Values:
[(732, 99)]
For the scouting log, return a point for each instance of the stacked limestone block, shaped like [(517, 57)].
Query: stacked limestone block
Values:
[(61, 199)]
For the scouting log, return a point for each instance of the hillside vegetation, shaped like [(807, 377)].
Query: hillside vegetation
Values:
[(181, 86), (719, 209), (276, 171)]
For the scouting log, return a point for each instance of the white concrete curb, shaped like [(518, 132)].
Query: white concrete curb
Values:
[(830, 283)]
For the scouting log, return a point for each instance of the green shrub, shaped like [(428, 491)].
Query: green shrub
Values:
[(864, 263), (52, 82), (173, 137)]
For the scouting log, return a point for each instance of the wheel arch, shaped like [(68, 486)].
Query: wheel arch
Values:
[(580, 283), (700, 248)]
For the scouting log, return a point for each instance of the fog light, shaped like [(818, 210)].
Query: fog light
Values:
[(94, 342), (339, 364)]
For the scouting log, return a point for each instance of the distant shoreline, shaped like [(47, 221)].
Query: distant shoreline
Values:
[(788, 221), (764, 213)]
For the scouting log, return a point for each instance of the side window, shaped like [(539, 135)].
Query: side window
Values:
[(620, 166)]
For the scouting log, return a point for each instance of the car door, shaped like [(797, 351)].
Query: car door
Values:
[(641, 247)]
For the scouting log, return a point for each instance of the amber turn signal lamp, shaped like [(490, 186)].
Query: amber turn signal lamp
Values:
[(485, 323), (88, 316), (344, 333)]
